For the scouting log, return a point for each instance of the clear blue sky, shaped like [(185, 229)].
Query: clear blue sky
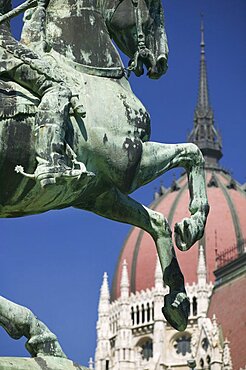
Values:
[(54, 263)]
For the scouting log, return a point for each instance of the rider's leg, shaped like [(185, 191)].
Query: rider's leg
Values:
[(19, 321), (119, 207), (158, 158), (50, 125), (51, 121)]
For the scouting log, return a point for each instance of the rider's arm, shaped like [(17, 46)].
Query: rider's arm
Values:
[(34, 28)]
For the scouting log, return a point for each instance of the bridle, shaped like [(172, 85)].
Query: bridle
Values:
[(143, 54)]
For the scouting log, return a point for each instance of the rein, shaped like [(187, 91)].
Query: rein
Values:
[(143, 54)]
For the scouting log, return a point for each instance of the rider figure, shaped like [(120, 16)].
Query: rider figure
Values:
[(19, 63)]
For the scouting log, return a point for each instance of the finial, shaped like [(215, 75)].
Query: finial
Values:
[(214, 319), (104, 295), (91, 364), (104, 287), (201, 268), (124, 284), (202, 33), (158, 274)]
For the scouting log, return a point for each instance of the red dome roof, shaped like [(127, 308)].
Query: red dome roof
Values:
[(226, 227)]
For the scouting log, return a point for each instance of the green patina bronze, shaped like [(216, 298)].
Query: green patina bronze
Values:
[(72, 133)]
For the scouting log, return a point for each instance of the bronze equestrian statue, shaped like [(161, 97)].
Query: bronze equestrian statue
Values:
[(72, 133)]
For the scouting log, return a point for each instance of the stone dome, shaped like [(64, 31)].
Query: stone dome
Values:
[(225, 231), (224, 234)]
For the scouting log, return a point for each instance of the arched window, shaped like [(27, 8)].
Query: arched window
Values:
[(146, 346), (194, 304), (132, 315), (143, 314), (182, 344), (107, 365), (205, 344), (138, 315), (202, 363), (148, 312)]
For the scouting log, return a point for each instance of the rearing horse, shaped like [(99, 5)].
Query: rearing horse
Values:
[(112, 139)]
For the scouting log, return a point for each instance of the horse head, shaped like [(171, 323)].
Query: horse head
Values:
[(137, 27)]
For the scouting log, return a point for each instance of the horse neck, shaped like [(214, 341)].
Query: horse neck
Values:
[(78, 31)]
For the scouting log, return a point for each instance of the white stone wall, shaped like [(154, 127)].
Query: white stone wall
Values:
[(133, 334)]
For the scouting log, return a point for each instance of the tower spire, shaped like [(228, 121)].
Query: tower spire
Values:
[(104, 296), (124, 284), (201, 267), (158, 275), (203, 96), (204, 134)]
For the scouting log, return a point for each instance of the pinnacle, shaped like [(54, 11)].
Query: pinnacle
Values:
[(158, 274), (204, 134), (201, 268), (104, 288), (124, 284)]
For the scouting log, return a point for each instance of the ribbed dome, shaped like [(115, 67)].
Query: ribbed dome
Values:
[(226, 227)]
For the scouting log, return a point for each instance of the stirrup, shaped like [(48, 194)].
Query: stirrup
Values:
[(51, 174)]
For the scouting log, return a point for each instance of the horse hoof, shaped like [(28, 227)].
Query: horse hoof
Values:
[(44, 345), (188, 232), (176, 310)]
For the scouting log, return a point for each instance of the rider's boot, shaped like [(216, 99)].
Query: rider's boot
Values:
[(53, 163)]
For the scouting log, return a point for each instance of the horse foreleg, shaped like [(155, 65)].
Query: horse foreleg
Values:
[(119, 207), (158, 158), (19, 321)]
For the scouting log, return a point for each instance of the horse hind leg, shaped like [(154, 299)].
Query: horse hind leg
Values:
[(157, 159), (19, 321), (119, 207)]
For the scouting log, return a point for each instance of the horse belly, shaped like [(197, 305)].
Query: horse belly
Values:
[(117, 123)]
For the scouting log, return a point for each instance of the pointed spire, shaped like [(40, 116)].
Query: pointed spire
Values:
[(203, 97), (104, 295), (201, 266), (124, 284), (158, 274), (91, 364), (203, 291), (204, 134)]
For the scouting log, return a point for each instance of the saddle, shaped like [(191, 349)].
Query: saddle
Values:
[(15, 99)]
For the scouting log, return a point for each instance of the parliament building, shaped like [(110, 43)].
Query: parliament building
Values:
[(132, 333)]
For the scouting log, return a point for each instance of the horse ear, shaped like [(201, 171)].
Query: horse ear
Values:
[(158, 41)]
